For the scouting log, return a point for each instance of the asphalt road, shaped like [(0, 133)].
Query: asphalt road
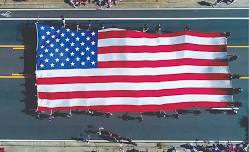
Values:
[(15, 94), (81, 14)]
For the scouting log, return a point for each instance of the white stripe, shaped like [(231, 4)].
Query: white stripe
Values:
[(80, 9), (135, 86), (161, 41), (111, 29), (61, 143), (161, 56), (131, 71), (228, 108), (29, 142), (132, 101), (122, 19)]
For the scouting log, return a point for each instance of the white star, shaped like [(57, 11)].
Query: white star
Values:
[(82, 53), (66, 49), (68, 30), (52, 64), (88, 38), (77, 49), (51, 45), (93, 63), (77, 59), (51, 54), (62, 64), (48, 33), (42, 46), (46, 60), (43, 37), (88, 58), (47, 41), (67, 39), (72, 44), (52, 27), (93, 33), (92, 52), (62, 34), (61, 54), (77, 38), (62, 44), (82, 43), (83, 34), (42, 27), (67, 59), (72, 34), (41, 55), (82, 63), (57, 60), (53, 36), (72, 54), (87, 48), (58, 31), (41, 65), (46, 50), (56, 50), (57, 40), (72, 63), (93, 43)]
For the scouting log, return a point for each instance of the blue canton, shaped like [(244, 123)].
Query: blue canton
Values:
[(63, 48)]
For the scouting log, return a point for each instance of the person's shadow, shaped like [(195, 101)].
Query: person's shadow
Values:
[(204, 3), (28, 34)]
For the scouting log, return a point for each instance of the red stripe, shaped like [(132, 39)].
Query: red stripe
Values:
[(144, 108), (139, 34), (133, 93), (154, 78), (161, 48), (162, 63)]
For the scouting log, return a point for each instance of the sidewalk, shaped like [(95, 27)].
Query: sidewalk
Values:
[(96, 146), (60, 4), (79, 146)]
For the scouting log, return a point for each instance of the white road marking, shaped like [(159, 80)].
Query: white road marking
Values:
[(120, 9), (106, 19)]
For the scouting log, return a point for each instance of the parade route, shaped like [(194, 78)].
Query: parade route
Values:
[(16, 59), (152, 14)]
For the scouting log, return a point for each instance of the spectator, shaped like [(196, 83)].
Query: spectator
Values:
[(74, 3), (100, 4)]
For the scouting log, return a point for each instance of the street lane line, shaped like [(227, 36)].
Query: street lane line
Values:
[(238, 46), (244, 78), (23, 76), (108, 19), (19, 49), (120, 9), (16, 76), (11, 46), (12, 77), (136, 141)]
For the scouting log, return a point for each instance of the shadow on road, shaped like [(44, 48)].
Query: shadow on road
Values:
[(28, 33), (244, 124), (204, 3)]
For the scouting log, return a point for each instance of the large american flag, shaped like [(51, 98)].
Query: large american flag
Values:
[(120, 70)]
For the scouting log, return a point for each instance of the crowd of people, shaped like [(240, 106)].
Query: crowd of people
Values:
[(196, 146), (215, 3), (100, 4), (229, 147), (108, 135)]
